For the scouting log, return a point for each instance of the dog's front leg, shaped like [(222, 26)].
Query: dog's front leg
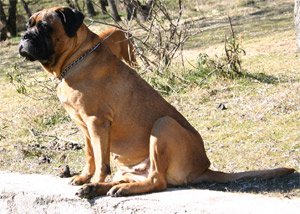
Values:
[(89, 168), (99, 130)]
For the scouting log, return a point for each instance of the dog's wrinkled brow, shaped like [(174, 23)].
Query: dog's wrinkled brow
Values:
[(32, 19), (30, 23)]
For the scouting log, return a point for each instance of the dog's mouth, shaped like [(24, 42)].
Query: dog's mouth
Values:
[(24, 53)]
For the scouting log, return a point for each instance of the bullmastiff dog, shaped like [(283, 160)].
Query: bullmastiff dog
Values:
[(122, 117), (119, 45)]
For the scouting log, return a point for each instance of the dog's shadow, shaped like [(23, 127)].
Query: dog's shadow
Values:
[(288, 186)]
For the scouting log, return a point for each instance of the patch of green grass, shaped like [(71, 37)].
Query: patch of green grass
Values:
[(55, 118)]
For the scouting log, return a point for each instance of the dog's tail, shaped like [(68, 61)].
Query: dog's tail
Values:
[(222, 177)]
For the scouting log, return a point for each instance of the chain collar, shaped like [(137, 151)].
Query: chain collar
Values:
[(64, 72)]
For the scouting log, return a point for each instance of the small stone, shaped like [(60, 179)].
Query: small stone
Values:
[(65, 172), (222, 106)]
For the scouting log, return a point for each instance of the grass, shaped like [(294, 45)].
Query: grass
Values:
[(258, 130)]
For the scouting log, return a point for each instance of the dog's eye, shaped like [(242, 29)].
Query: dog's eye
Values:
[(43, 26), (40, 25)]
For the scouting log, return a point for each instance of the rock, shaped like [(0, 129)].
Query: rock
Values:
[(222, 106), (47, 194), (65, 172), (44, 159)]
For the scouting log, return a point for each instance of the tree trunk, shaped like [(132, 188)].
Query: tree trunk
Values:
[(145, 10), (3, 30), (131, 10), (71, 4), (90, 8), (134, 6), (25, 6), (297, 22), (77, 5), (11, 22), (103, 4), (114, 11)]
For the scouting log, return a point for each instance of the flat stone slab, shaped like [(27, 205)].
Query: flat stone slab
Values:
[(39, 194)]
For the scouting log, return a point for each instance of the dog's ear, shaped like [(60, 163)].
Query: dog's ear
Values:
[(71, 20)]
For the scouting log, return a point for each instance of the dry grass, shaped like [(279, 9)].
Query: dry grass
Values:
[(258, 130)]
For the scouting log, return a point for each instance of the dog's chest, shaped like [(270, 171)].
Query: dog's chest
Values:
[(70, 100), (67, 95), (63, 93)]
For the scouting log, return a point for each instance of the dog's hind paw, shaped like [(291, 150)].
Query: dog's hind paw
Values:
[(118, 191)]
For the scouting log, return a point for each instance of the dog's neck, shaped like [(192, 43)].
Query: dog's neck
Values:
[(82, 57), (78, 46)]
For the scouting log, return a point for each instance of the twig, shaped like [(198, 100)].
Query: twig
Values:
[(35, 134), (108, 24), (208, 75), (231, 28)]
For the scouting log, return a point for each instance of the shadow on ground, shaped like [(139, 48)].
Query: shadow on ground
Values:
[(269, 79), (289, 184)]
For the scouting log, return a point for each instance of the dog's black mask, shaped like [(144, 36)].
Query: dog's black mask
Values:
[(36, 43)]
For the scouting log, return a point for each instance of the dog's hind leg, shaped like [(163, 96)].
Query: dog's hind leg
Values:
[(156, 180), (172, 149)]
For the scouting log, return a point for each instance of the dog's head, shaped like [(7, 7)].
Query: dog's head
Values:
[(48, 32)]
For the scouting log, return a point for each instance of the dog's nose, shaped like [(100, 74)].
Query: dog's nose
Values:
[(25, 36)]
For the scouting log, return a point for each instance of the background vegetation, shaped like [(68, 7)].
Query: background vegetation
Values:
[(248, 121)]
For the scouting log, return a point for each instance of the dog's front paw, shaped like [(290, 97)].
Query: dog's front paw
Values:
[(87, 191), (79, 180)]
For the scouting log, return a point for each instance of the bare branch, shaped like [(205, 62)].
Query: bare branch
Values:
[(36, 134)]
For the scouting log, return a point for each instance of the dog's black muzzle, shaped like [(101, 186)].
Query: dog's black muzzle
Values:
[(27, 47), (35, 46)]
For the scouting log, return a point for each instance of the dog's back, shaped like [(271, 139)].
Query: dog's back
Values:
[(119, 45)]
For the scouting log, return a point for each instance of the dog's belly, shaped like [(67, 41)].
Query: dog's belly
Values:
[(129, 143), (136, 173), (130, 151)]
